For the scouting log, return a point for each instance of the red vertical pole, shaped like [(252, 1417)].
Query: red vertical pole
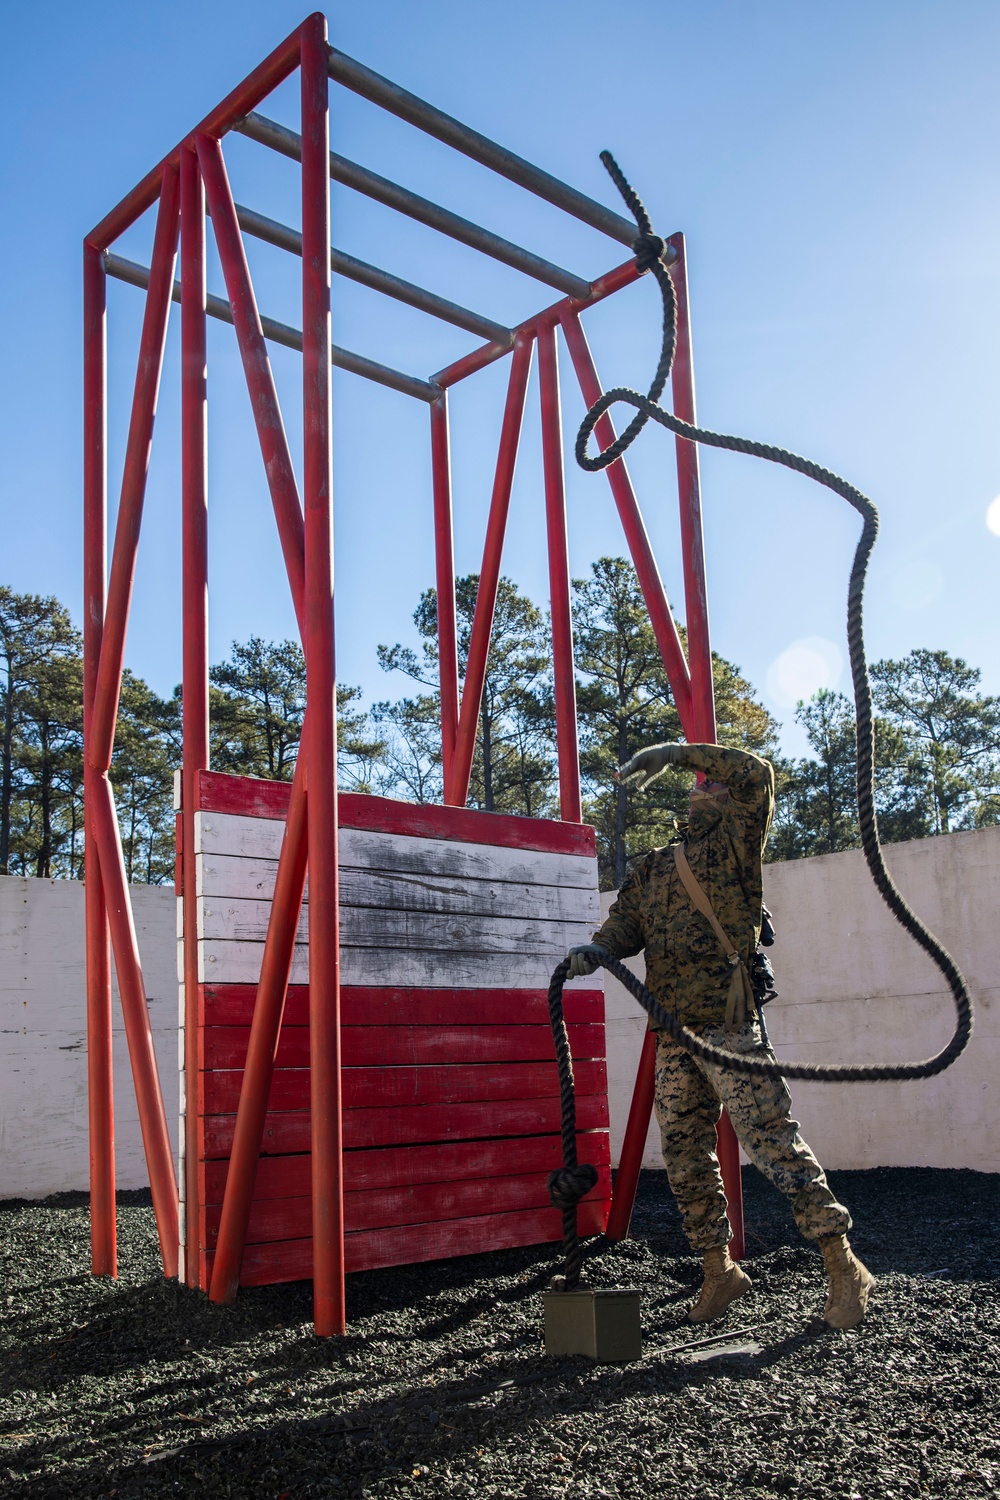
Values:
[(194, 528), (689, 492), (699, 643), (321, 727), (100, 1083), (559, 584), (457, 792), (444, 557)]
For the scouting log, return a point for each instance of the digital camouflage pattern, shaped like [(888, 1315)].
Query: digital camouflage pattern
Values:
[(690, 1095), (686, 968)]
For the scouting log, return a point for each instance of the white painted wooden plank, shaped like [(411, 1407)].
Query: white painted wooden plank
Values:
[(260, 838), (239, 963), (380, 927), (225, 878)]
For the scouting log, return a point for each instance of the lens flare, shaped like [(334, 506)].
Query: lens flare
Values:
[(802, 669), (993, 516)]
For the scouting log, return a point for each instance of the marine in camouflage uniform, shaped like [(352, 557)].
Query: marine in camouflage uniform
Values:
[(689, 974)]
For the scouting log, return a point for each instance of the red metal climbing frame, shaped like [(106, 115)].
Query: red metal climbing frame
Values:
[(192, 177)]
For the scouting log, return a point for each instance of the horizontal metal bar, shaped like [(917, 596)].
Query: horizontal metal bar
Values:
[(280, 138), (426, 117), (282, 333), (380, 281)]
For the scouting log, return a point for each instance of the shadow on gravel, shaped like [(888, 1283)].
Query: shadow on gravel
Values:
[(143, 1388)]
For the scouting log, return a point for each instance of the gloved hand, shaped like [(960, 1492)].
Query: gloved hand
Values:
[(582, 961), (645, 766), (648, 248)]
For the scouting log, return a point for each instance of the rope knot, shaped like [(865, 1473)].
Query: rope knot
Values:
[(569, 1184)]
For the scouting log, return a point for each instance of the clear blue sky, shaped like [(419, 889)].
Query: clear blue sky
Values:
[(835, 169)]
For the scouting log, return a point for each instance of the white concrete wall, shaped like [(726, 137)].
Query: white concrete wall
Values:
[(43, 1036), (853, 987)]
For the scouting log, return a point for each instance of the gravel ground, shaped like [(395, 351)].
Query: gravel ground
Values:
[(142, 1388)]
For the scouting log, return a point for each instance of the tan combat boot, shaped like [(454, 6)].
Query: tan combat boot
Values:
[(850, 1283), (724, 1283)]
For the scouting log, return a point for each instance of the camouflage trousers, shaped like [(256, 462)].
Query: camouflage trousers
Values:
[(690, 1095)]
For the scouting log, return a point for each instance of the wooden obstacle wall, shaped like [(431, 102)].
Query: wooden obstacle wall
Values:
[(451, 924)]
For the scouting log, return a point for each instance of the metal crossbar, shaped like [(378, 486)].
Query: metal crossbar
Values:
[(190, 182)]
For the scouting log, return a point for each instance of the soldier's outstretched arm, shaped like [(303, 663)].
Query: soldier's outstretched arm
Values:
[(744, 773)]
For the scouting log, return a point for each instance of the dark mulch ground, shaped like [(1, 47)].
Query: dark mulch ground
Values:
[(141, 1388)]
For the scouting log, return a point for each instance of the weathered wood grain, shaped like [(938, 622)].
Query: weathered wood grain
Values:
[(222, 834), (409, 1166), (425, 1124), (411, 1046), (274, 1219), (291, 1260), (222, 876), (233, 1005), (445, 968)]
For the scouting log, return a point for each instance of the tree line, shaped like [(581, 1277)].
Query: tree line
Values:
[(937, 735)]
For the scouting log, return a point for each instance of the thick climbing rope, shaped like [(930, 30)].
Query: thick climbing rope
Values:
[(567, 1187)]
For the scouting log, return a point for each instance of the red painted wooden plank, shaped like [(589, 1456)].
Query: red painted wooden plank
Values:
[(409, 1046), (291, 1260), (291, 1218), (288, 1131), (409, 1166), (232, 1005), (391, 1088), (252, 798)]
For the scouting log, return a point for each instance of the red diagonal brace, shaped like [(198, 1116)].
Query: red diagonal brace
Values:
[(634, 527), (257, 367), (265, 1030), (133, 491), (457, 792), (103, 823)]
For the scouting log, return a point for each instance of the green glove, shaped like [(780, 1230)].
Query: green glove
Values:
[(646, 765), (584, 960)]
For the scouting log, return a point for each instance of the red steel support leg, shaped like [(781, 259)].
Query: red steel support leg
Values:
[(138, 1033), (100, 1081), (194, 415), (634, 527), (444, 554), (699, 645), (102, 822), (324, 928), (265, 1029), (559, 585), (457, 793)]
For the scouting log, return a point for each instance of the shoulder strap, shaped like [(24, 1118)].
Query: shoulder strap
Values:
[(740, 1000), (700, 901)]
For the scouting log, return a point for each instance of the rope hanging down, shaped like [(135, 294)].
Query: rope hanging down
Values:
[(569, 1183)]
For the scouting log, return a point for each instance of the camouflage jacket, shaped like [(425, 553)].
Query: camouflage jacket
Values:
[(686, 968)]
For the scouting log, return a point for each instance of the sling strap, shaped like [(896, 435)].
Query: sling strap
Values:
[(740, 1001)]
